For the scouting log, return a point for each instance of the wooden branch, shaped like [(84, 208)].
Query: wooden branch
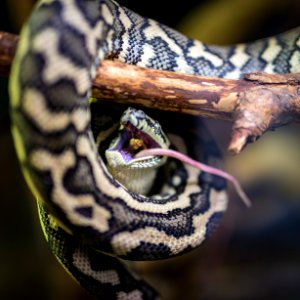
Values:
[(255, 104), (8, 44)]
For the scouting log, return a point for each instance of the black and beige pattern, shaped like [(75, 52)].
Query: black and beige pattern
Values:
[(90, 220)]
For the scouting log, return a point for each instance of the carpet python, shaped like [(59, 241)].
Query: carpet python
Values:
[(90, 220)]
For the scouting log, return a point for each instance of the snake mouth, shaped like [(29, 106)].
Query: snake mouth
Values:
[(133, 140), (137, 132)]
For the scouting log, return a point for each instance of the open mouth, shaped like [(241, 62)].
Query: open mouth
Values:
[(131, 140), (138, 132)]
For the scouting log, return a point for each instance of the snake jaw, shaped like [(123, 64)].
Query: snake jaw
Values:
[(137, 132), (128, 143)]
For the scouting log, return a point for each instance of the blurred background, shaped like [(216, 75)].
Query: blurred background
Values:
[(255, 252)]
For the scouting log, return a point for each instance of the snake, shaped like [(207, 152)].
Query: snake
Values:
[(92, 221)]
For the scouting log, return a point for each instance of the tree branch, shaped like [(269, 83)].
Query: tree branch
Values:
[(255, 104)]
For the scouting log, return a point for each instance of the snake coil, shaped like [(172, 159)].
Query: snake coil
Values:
[(85, 213)]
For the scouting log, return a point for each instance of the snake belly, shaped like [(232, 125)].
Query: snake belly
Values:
[(88, 218)]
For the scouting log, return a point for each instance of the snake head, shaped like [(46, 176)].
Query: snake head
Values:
[(140, 125), (137, 132)]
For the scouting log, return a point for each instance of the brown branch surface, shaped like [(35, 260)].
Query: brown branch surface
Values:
[(255, 104), (8, 44)]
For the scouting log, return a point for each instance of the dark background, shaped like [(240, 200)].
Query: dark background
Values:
[(255, 252)]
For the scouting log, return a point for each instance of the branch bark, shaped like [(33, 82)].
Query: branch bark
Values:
[(255, 104)]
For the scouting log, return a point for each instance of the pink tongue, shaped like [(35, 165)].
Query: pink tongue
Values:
[(198, 165)]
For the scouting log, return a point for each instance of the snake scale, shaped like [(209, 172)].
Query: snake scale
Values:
[(90, 220)]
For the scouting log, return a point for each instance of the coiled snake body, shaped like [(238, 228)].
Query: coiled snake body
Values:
[(88, 217)]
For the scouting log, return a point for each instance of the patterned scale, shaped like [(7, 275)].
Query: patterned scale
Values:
[(89, 219)]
